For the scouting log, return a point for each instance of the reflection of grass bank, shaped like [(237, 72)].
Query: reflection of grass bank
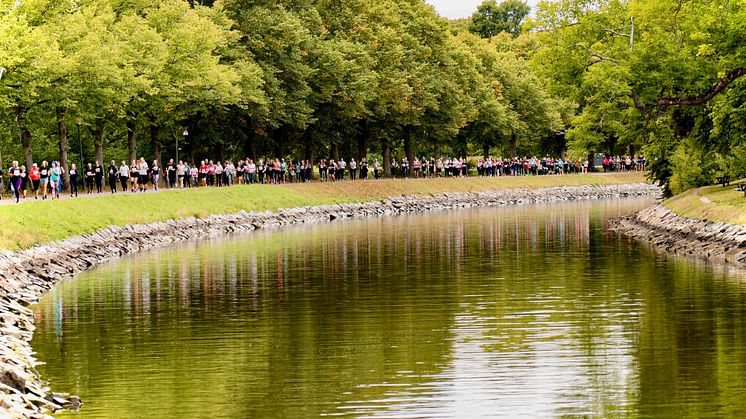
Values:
[(713, 203), (385, 188), (37, 222)]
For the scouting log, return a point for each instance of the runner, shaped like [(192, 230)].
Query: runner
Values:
[(155, 174), (124, 174), (44, 179), (142, 175), (98, 172), (113, 174), (90, 178), (54, 180), (134, 176), (24, 181), (15, 180), (74, 180), (35, 175)]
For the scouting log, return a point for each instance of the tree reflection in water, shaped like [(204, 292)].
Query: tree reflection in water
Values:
[(524, 310)]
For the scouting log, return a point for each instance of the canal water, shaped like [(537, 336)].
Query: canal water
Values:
[(518, 311)]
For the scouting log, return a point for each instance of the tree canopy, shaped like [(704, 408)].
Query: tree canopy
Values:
[(662, 76), (328, 78), (492, 18)]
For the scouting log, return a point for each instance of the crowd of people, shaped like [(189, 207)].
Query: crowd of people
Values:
[(45, 180), (555, 166)]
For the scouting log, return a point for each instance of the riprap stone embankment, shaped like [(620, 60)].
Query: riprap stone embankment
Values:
[(702, 239)]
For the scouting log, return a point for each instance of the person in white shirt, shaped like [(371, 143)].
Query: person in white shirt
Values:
[(219, 174), (353, 169), (124, 174), (341, 166), (251, 170), (142, 172), (180, 173)]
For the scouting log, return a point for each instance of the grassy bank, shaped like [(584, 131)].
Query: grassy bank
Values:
[(36, 222), (713, 203)]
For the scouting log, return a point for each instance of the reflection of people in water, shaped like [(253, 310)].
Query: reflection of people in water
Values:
[(280, 269)]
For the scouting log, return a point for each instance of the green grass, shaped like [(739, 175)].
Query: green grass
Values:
[(713, 203), (37, 222)]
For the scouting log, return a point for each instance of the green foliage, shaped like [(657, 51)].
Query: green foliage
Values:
[(491, 18), (301, 79), (692, 167), (648, 75)]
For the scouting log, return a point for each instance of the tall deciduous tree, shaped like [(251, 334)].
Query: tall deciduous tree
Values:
[(492, 18)]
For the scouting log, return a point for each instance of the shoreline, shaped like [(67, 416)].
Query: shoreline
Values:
[(671, 233), (41, 222), (26, 275)]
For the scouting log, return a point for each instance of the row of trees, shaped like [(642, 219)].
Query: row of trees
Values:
[(331, 78), (309, 78)]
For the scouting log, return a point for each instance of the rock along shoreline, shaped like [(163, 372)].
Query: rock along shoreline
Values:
[(664, 230), (26, 275)]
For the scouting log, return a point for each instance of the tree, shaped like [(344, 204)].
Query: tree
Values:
[(632, 66), (491, 18)]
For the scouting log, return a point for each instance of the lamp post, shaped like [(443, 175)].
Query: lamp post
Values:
[(80, 144), (185, 134)]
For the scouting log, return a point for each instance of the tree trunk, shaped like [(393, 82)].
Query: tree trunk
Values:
[(485, 151), (25, 136), (250, 146), (437, 151), (408, 146), (463, 147), (98, 140), (278, 140), (362, 142), (307, 145), (220, 152), (386, 158), (188, 148), (63, 144), (131, 139), (612, 146), (513, 141), (155, 145), (335, 152)]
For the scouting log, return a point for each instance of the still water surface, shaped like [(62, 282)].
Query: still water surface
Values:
[(523, 311)]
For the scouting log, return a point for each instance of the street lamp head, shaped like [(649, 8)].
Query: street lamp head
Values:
[(185, 133)]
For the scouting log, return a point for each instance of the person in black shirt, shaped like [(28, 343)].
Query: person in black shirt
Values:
[(112, 171), (171, 174), (155, 174), (15, 180), (260, 170), (44, 179), (24, 181), (74, 180), (90, 177), (364, 169), (98, 172)]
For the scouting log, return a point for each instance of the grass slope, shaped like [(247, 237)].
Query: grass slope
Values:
[(37, 222), (713, 203)]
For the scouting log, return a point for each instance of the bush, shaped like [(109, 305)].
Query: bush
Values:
[(693, 167)]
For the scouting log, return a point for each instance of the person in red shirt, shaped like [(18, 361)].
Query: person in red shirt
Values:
[(203, 173), (35, 175), (211, 174)]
